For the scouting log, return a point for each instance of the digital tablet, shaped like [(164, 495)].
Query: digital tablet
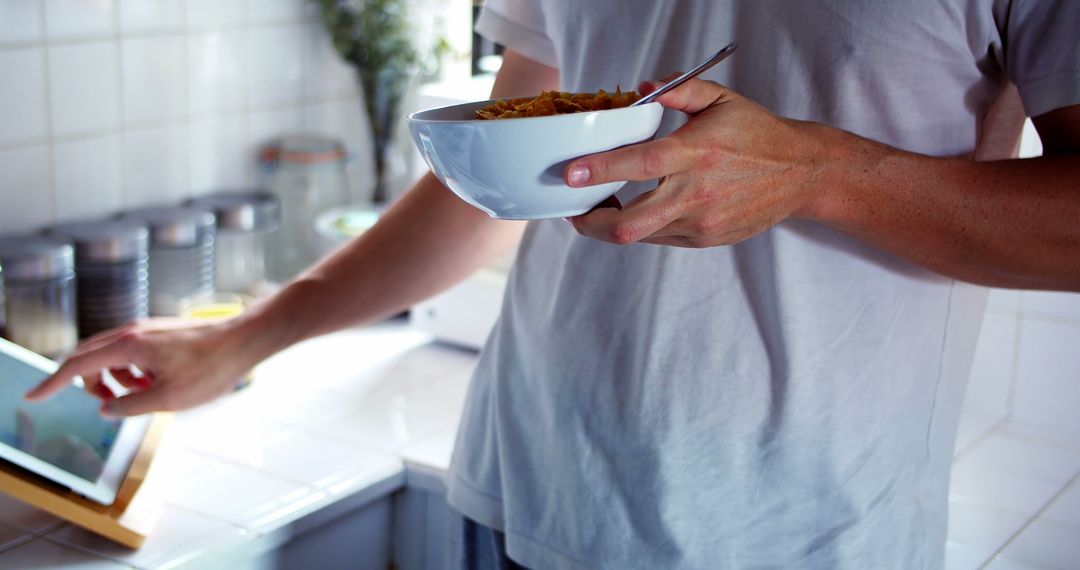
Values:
[(64, 439)]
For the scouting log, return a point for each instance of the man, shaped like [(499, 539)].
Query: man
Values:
[(765, 366)]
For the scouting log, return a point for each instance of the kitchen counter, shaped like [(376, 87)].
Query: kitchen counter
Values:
[(328, 426)]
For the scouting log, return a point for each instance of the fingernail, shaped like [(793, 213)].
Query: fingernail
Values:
[(579, 175)]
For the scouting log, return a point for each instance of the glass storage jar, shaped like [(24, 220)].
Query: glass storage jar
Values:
[(181, 255), (307, 175), (39, 302), (111, 272), (244, 222)]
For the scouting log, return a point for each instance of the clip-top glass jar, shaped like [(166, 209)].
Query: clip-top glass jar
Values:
[(111, 258), (181, 255), (307, 174), (40, 294), (244, 221)]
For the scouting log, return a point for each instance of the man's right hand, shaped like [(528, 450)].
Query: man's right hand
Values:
[(183, 365)]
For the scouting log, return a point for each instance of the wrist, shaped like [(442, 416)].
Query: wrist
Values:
[(259, 332), (840, 164)]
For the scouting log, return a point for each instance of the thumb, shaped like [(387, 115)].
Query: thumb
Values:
[(691, 97), (135, 404)]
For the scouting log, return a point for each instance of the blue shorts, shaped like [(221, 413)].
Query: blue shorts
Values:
[(473, 546)]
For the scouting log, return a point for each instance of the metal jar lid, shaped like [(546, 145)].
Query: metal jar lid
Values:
[(35, 258), (174, 227), (303, 149), (241, 211), (106, 241)]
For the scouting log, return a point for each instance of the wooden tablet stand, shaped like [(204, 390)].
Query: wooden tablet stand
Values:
[(131, 517)]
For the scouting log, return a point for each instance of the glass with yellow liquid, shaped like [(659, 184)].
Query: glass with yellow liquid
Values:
[(217, 306)]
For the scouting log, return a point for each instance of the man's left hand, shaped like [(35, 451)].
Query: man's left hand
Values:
[(732, 171)]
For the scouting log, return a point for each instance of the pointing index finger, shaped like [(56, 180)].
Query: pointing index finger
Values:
[(87, 365)]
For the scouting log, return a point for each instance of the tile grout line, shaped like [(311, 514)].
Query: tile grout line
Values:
[(121, 110), (186, 82), (142, 126), (186, 119), (1035, 517), (85, 550), (249, 173), (50, 141), (142, 34), (249, 468), (97, 556), (1014, 372), (995, 427), (18, 542), (1038, 315)]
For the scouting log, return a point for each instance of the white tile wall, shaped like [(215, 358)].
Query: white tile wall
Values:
[(84, 93), (217, 13), (22, 95), (19, 21), (1052, 305), (155, 16), (276, 73), (265, 125), (1005, 301), (70, 19), (88, 178), (1023, 495), (154, 71), (1010, 453), (1066, 509), (992, 371), (1048, 382), (24, 187), (275, 10), (114, 104), (327, 76), (220, 156), (156, 166), (217, 72), (1030, 144), (1047, 545)]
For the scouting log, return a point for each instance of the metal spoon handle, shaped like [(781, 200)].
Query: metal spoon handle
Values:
[(701, 68)]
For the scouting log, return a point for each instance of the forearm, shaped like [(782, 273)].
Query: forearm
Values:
[(427, 242), (1012, 223)]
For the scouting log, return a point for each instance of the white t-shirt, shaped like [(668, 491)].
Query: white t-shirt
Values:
[(787, 402)]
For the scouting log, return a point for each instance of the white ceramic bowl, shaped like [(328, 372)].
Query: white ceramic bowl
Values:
[(513, 168)]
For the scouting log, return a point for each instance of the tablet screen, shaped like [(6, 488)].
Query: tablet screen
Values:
[(64, 439), (67, 431)]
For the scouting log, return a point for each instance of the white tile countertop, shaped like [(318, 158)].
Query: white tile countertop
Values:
[(353, 416), (329, 421)]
